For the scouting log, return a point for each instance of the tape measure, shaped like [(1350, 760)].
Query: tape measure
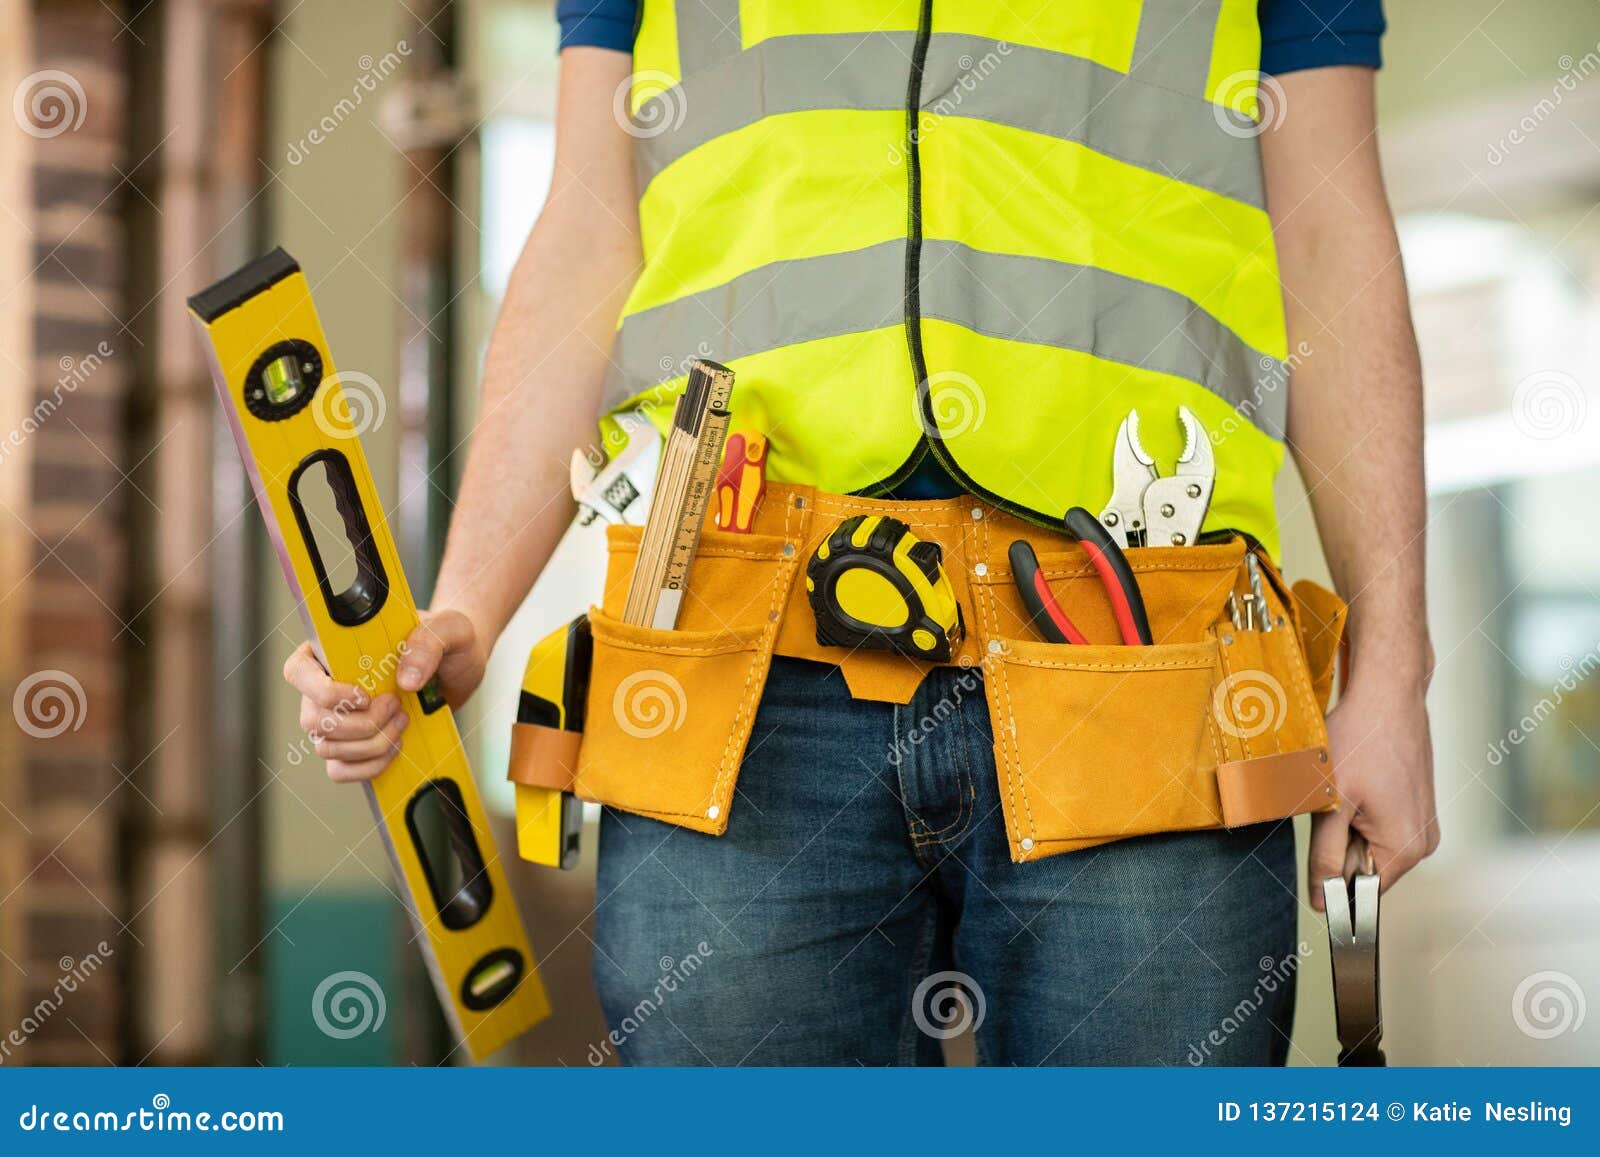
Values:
[(292, 425), (872, 583), (544, 745)]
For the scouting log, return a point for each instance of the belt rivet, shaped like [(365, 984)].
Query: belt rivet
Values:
[(1027, 844), (1322, 755), (996, 646), (788, 550), (977, 513), (713, 812), (1227, 640), (981, 569)]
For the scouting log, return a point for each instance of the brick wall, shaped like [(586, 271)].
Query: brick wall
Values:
[(64, 606)]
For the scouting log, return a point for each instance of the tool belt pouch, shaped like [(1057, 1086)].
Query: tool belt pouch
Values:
[(670, 711), (1213, 726)]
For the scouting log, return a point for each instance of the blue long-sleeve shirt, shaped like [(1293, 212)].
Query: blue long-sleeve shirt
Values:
[(1295, 34)]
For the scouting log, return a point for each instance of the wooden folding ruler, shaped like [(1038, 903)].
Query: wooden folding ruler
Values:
[(293, 426)]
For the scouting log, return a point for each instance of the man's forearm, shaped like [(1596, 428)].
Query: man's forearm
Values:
[(1355, 427), (1355, 407), (547, 358)]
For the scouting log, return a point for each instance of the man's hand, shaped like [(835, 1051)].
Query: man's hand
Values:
[(1355, 428), (359, 735), (1383, 763)]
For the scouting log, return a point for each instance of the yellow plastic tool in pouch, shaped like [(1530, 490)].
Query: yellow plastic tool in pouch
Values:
[(292, 424), (544, 745)]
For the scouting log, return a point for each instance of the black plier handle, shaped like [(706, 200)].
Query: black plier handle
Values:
[(1116, 576)]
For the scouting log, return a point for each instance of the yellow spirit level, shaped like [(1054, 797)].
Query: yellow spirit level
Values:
[(544, 745), (293, 427)]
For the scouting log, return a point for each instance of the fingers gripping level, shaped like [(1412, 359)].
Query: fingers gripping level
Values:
[(292, 424)]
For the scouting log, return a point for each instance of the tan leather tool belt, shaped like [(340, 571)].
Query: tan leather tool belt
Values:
[(1212, 726)]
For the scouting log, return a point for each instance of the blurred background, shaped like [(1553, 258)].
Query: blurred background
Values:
[(177, 878)]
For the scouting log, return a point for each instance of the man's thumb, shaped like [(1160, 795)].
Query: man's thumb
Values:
[(426, 645), (1330, 836)]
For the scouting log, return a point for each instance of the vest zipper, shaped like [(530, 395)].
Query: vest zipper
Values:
[(930, 442)]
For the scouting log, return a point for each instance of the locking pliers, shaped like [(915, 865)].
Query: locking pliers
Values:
[(1149, 508)]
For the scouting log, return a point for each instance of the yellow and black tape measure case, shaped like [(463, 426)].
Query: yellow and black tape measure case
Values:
[(282, 397), (873, 584)]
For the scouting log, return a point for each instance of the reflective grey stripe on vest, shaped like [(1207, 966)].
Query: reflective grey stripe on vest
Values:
[(1068, 97), (1025, 299), (1073, 99), (1175, 43), (708, 32)]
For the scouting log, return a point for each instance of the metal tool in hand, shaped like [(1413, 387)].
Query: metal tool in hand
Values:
[(620, 490), (1148, 508), (1352, 908)]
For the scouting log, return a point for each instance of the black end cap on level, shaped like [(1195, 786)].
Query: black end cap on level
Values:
[(240, 286)]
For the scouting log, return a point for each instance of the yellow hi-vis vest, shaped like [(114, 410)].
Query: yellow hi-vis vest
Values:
[(983, 230)]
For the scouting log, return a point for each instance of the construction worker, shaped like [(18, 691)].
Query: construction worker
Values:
[(1072, 209)]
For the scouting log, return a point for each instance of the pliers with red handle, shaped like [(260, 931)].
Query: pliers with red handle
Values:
[(1115, 575)]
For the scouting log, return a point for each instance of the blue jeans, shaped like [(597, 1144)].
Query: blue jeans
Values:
[(863, 906)]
